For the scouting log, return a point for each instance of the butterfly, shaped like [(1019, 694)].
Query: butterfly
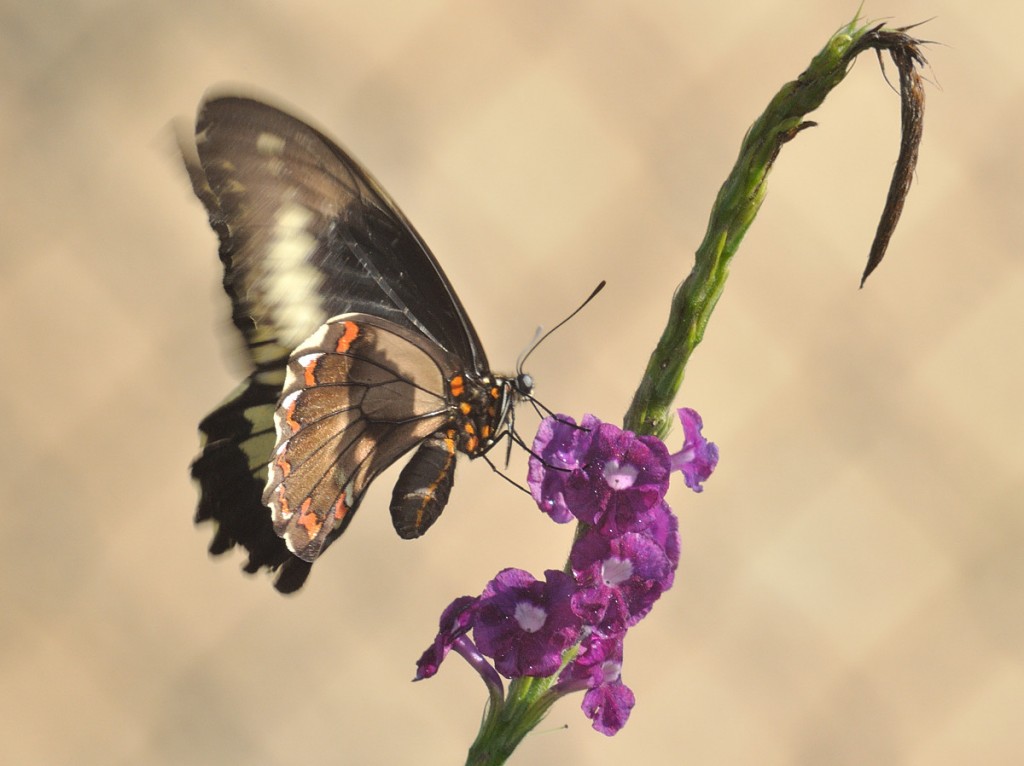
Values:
[(361, 350)]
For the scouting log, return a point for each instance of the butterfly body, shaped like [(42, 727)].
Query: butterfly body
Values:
[(356, 391), (361, 350)]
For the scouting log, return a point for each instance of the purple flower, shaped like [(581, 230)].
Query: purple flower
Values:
[(608, 706), (623, 559), (524, 624), (620, 578), (557, 452), (588, 668), (597, 667), (604, 476), (456, 621), (623, 477), (698, 457)]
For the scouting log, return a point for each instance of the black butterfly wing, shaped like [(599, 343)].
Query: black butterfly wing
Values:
[(238, 437), (308, 234), (305, 234), (237, 440), (359, 394)]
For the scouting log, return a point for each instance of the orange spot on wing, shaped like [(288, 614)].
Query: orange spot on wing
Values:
[(340, 509), (309, 373), (289, 416), (350, 333), (284, 466), (465, 408), (457, 386), (282, 501), (307, 519)]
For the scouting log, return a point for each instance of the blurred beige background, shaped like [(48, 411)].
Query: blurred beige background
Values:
[(852, 577)]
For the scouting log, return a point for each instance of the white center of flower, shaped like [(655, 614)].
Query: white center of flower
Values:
[(620, 476), (530, 617), (682, 458), (615, 570), (611, 671)]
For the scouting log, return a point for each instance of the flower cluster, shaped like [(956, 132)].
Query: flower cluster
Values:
[(569, 628)]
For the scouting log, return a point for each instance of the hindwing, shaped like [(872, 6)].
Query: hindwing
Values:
[(238, 438), (359, 394)]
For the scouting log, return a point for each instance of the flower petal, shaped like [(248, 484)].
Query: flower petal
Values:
[(608, 706), (698, 457), (524, 624), (456, 621)]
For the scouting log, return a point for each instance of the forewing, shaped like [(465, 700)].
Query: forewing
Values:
[(307, 234), (359, 393)]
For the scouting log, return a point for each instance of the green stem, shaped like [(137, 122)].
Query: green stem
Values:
[(505, 725), (734, 210), (507, 720)]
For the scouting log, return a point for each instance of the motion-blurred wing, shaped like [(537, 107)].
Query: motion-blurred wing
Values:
[(307, 234)]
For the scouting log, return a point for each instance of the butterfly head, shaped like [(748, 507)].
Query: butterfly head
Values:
[(522, 385)]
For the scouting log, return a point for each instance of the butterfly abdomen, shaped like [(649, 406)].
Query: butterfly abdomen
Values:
[(424, 485)]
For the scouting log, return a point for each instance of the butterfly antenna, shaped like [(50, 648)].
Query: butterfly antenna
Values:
[(539, 338)]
